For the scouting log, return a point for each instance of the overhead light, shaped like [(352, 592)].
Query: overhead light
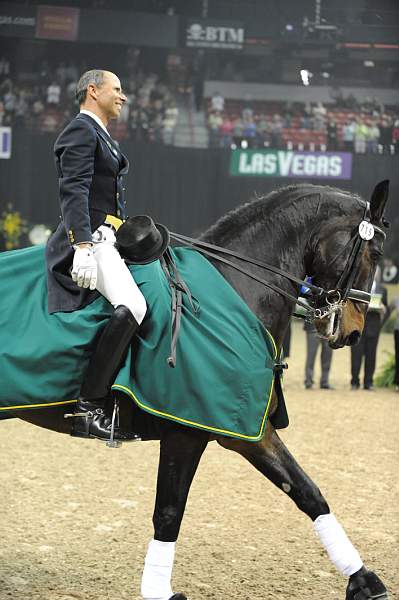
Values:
[(369, 63), (305, 76), (325, 75), (289, 27), (244, 144)]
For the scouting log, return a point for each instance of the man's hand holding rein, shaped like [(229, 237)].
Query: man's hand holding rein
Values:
[(84, 268)]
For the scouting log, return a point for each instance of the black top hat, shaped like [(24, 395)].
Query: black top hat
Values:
[(141, 241)]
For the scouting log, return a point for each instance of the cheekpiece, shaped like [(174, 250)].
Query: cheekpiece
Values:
[(140, 241)]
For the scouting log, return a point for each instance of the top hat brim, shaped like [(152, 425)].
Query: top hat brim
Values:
[(153, 254)]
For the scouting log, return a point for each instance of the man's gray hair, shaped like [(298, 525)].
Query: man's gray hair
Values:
[(95, 77)]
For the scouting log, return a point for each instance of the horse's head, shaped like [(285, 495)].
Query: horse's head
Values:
[(344, 263)]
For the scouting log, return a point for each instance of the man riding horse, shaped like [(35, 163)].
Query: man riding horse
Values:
[(82, 258)]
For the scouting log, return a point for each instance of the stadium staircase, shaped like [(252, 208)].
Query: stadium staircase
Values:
[(191, 129)]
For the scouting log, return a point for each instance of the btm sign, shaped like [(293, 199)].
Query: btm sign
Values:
[(212, 36)]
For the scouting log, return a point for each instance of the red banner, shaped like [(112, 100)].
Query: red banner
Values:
[(57, 22)]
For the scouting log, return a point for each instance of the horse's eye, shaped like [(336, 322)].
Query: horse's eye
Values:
[(376, 254)]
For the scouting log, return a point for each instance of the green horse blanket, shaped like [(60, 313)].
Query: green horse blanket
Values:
[(223, 378)]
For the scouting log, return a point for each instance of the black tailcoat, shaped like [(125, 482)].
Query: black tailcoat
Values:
[(90, 171)]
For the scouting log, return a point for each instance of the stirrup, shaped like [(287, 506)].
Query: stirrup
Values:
[(112, 443)]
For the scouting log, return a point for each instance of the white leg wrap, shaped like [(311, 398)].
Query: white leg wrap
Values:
[(341, 551), (155, 583)]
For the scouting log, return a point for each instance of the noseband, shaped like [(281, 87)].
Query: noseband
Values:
[(320, 303)]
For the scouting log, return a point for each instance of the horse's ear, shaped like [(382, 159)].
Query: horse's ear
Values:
[(379, 200)]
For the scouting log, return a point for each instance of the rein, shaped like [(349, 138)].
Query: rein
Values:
[(333, 299), (205, 248)]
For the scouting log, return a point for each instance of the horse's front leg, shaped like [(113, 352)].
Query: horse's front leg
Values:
[(180, 452), (272, 458)]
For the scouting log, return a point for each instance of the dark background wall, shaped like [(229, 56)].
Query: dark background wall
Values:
[(186, 189)]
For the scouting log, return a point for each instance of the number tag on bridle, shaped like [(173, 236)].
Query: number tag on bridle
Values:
[(366, 230)]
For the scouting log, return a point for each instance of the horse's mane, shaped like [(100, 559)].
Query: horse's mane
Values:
[(253, 211)]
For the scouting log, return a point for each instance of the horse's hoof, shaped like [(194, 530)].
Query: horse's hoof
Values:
[(178, 597), (365, 585)]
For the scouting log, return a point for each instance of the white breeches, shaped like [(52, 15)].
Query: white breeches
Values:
[(114, 280)]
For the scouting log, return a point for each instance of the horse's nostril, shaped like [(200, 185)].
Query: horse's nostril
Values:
[(353, 338)]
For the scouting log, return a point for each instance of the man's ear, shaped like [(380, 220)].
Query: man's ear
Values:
[(92, 90)]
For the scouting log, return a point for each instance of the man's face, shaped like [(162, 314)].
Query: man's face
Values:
[(109, 96)]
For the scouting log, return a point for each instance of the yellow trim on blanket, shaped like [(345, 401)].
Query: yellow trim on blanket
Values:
[(27, 406), (129, 392)]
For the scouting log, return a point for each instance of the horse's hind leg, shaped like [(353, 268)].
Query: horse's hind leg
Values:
[(272, 458), (180, 452)]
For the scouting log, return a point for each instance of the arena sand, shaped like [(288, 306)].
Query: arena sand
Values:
[(76, 516)]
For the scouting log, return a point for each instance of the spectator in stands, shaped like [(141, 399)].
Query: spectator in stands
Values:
[(276, 140), (169, 123), (366, 106), (61, 73), (142, 125), (332, 136), (157, 128), (287, 118), (217, 103), (386, 132), (72, 72), (215, 121), (337, 96), (250, 131), (4, 66), (361, 135), (10, 100), (238, 129), (247, 112), (70, 90), (348, 135), (395, 136), (226, 132), (53, 94), (21, 108), (264, 132), (373, 138), (306, 116), (133, 123), (377, 108), (319, 116), (37, 107), (351, 102)]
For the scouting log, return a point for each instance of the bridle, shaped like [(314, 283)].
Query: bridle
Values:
[(321, 303)]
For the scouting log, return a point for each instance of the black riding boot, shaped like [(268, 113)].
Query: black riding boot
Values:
[(90, 420)]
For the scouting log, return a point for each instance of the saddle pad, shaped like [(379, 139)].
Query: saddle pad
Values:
[(223, 378)]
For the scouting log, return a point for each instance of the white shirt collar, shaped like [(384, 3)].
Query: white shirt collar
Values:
[(95, 117)]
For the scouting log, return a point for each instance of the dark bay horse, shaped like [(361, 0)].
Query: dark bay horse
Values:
[(304, 230)]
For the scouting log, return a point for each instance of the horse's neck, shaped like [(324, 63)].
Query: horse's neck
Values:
[(278, 237)]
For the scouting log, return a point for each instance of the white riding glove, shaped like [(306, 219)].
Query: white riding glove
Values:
[(84, 268)]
